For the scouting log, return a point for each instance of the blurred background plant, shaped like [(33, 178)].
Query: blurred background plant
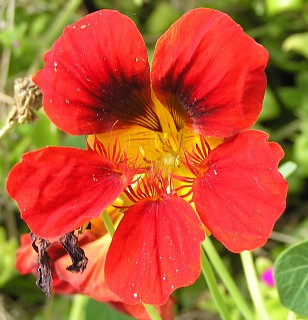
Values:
[(27, 30)]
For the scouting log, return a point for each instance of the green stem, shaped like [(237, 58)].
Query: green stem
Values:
[(213, 286), (152, 312), (6, 128), (78, 307), (108, 223), (253, 285), (227, 279), (110, 228), (47, 309), (286, 131), (54, 31)]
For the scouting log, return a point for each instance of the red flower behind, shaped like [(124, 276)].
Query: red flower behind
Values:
[(91, 282), (172, 142)]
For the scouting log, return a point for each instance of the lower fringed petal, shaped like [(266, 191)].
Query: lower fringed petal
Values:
[(239, 193), (155, 249), (60, 189), (139, 312)]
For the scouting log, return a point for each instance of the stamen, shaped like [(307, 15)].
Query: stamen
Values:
[(141, 150), (150, 185), (194, 159), (113, 152)]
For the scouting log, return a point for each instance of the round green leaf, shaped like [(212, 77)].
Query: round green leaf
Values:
[(291, 277)]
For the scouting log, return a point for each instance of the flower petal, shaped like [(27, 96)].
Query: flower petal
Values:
[(59, 189), (138, 311), (210, 73), (26, 258), (240, 193), (155, 249), (96, 75)]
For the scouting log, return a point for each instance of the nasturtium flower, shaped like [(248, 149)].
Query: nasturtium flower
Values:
[(171, 141)]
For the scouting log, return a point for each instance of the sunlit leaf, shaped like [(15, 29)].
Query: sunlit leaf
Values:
[(297, 43), (276, 6)]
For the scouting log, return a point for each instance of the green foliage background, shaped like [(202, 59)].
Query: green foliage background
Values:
[(27, 30)]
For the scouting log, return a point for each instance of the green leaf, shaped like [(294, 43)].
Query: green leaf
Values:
[(297, 43), (7, 257), (270, 109), (99, 310), (277, 6), (161, 18), (291, 276), (290, 97), (301, 152)]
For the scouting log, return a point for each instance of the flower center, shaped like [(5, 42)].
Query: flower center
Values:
[(162, 149)]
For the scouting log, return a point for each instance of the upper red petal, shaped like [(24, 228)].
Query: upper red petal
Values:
[(155, 250), (96, 75), (209, 72), (60, 189), (241, 194)]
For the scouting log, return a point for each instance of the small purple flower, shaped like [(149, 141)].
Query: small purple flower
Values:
[(267, 277)]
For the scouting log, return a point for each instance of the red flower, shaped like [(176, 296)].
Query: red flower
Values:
[(91, 282), (171, 142)]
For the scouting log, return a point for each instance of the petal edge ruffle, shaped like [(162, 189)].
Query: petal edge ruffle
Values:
[(96, 75), (241, 194), (59, 189)]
